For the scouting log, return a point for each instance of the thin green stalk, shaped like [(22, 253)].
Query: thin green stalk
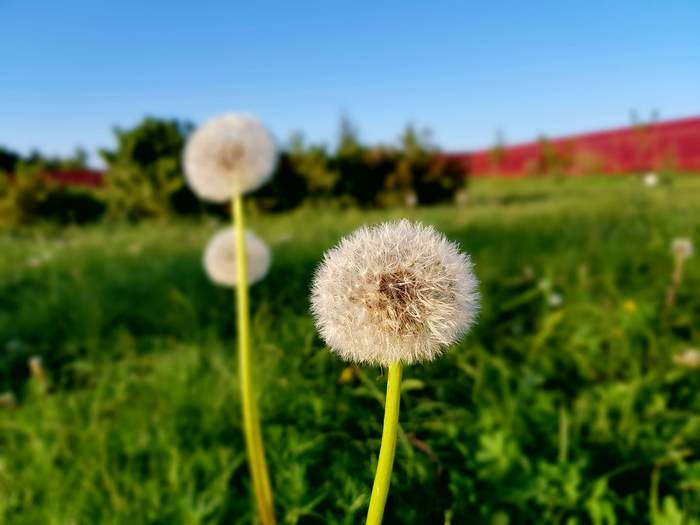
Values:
[(563, 434), (382, 478), (251, 420)]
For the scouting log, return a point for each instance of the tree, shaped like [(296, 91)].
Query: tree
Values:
[(144, 172), (8, 160)]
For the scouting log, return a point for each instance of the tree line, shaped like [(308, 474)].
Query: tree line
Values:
[(143, 176)]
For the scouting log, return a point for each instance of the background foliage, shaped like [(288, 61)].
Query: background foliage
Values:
[(569, 411), (143, 177)]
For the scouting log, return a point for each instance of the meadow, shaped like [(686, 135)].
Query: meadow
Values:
[(566, 404)]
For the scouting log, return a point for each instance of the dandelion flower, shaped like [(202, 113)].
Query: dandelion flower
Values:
[(8, 400), (651, 179), (230, 154), (36, 366), (555, 299), (397, 292), (629, 306), (682, 247), (220, 258), (392, 294), (689, 358)]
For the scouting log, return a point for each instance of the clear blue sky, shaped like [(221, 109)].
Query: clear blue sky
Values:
[(71, 70)]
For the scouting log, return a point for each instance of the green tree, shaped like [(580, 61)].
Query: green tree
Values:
[(8, 160), (144, 171)]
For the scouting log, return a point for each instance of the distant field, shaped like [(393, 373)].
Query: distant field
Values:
[(563, 406)]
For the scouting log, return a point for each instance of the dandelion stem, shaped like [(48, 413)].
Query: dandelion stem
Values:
[(251, 420), (382, 478), (563, 434), (675, 283)]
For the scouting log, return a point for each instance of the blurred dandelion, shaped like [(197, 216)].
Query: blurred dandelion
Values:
[(220, 258), (681, 249), (230, 154), (461, 198), (36, 367), (555, 300), (8, 400), (689, 358), (225, 158), (395, 293), (651, 179), (411, 200)]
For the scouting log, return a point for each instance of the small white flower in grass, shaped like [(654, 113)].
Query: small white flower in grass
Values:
[(36, 366), (651, 179), (395, 292), (8, 400), (220, 258), (229, 154), (689, 358), (555, 300), (682, 248)]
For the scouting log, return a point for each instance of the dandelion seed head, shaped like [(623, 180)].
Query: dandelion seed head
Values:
[(227, 154), (555, 299), (8, 400), (682, 248), (399, 291), (36, 366), (220, 258), (651, 179), (689, 358)]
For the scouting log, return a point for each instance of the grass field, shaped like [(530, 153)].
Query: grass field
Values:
[(564, 405)]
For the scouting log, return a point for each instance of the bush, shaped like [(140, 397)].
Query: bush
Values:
[(30, 195), (144, 174)]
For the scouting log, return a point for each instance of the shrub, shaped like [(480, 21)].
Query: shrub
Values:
[(144, 173), (30, 195)]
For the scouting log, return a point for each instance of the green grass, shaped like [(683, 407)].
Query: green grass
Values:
[(573, 414)]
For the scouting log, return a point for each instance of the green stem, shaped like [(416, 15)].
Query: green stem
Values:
[(382, 478), (563, 434), (251, 420)]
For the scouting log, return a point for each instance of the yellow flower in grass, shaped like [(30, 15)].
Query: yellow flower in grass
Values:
[(629, 306)]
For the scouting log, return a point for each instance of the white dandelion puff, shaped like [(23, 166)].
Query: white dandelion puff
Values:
[(651, 179), (230, 154), (36, 366), (682, 248), (555, 299), (395, 292), (220, 258), (8, 400), (689, 358)]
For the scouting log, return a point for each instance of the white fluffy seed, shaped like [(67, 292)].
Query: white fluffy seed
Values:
[(220, 258), (399, 291), (228, 154)]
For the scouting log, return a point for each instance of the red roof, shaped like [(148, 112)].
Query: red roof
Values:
[(91, 178)]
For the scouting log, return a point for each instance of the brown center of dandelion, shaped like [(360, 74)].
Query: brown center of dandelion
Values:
[(393, 299), (229, 156)]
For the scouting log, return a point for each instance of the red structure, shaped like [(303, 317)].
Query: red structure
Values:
[(672, 144), (84, 177)]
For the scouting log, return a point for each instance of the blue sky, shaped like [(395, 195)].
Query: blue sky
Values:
[(71, 70)]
